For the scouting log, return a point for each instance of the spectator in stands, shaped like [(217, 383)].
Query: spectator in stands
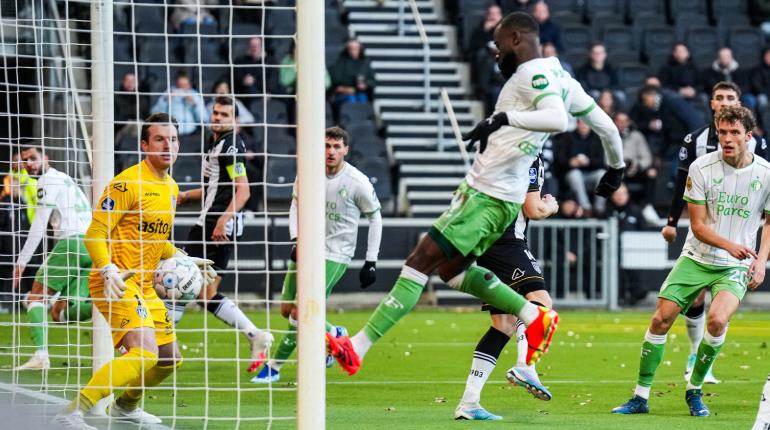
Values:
[(222, 88), (549, 31), (251, 75), (184, 103), (509, 6), (549, 50), (760, 80), (660, 120), (352, 75), (582, 154), (130, 105), (639, 164), (489, 81), (597, 74), (481, 36), (630, 218), (606, 101), (680, 74), (188, 13), (287, 77), (725, 68)]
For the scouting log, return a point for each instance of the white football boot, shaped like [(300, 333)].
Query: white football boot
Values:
[(136, 416), (71, 421), (38, 361)]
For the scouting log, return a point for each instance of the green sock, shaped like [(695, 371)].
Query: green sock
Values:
[(706, 355), (393, 307), (329, 327), (652, 355), (286, 346), (36, 317), (482, 283)]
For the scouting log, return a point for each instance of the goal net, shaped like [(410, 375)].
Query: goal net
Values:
[(173, 57)]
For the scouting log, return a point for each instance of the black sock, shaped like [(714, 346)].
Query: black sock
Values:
[(695, 311), (213, 303), (491, 344)]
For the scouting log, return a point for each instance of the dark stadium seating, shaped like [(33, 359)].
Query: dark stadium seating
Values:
[(702, 40), (631, 74), (636, 8), (726, 22), (658, 40), (355, 113), (617, 38), (676, 7), (149, 18), (596, 8), (280, 178), (378, 171), (687, 20), (576, 36), (746, 43), (721, 8), (369, 146), (640, 24)]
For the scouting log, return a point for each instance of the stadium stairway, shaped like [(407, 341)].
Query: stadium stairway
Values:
[(431, 167)]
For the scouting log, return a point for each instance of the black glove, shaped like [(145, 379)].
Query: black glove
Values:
[(483, 129), (610, 182), (293, 252), (368, 274)]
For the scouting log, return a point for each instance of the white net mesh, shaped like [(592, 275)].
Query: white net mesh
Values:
[(176, 58)]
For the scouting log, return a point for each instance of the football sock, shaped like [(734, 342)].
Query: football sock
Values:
[(484, 360), (482, 283), (652, 354), (361, 343), (396, 304), (37, 319), (286, 346), (132, 396), (117, 373), (695, 321), (175, 310), (707, 351), (521, 345), (227, 311), (763, 414)]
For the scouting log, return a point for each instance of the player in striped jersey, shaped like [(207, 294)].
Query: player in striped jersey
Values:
[(65, 271), (700, 142), (728, 193)]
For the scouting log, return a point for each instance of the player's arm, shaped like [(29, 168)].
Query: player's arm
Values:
[(36, 234), (536, 208), (369, 205), (710, 237), (757, 268), (186, 196), (237, 172), (686, 157)]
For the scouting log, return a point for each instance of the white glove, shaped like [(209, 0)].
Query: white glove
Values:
[(115, 281), (204, 264)]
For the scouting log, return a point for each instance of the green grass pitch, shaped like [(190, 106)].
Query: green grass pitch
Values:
[(414, 377)]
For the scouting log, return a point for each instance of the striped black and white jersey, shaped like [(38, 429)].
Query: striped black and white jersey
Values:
[(223, 162), (518, 229)]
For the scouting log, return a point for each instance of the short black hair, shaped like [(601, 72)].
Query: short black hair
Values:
[(725, 85), (227, 101), (520, 21), (337, 133), (161, 118)]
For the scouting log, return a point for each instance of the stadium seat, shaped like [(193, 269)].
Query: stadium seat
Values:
[(467, 23), (628, 56), (371, 146), (596, 8), (355, 113), (576, 57), (204, 77), (636, 8), (658, 40), (631, 74), (361, 131), (280, 178), (564, 5), (377, 169), (687, 20), (279, 142), (725, 22), (721, 8), (154, 49), (640, 24), (281, 22), (122, 48), (745, 40), (702, 40), (270, 111), (703, 60), (576, 36), (187, 169), (198, 28), (564, 17), (617, 39), (600, 21), (210, 51), (149, 18), (677, 7), (246, 29)]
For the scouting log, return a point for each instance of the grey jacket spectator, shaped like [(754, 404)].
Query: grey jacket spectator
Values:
[(724, 68), (597, 74)]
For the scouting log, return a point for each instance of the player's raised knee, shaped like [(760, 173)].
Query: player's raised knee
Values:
[(286, 309)]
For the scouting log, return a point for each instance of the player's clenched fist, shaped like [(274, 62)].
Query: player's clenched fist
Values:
[(115, 281), (368, 274)]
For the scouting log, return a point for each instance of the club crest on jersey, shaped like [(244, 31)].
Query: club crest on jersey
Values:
[(683, 153), (689, 183), (717, 181), (108, 204), (40, 193), (755, 185), (343, 192), (539, 82), (532, 175)]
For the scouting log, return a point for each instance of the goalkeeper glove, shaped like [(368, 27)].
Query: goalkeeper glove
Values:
[(483, 129), (368, 274), (204, 264), (115, 281), (610, 182)]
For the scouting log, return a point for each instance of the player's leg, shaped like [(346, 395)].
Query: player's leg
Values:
[(36, 303), (695, 321), (127, 406), (762, 422), (523, 374)]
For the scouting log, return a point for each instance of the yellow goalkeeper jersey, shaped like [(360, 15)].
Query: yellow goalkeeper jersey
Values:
[(138, 209)]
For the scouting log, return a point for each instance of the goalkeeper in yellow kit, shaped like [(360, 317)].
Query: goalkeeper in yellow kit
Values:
[(127, 237)]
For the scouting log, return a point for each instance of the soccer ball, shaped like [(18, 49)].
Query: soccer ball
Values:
[(178, 278)]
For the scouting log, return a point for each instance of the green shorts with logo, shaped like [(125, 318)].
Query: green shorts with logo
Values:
[(334, 272), (689, 277), (66, 271), (473, 222)]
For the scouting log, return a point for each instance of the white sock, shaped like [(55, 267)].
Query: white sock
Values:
[(763, 413), (176, 311), (481, 367), (521, 345), (230, 314), (529, 313), (695, 329), (361, 343), (643, 392)]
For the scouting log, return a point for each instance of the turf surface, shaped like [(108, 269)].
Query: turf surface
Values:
[(414, 377)]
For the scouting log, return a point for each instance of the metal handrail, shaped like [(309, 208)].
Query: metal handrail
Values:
[(425, 45)]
